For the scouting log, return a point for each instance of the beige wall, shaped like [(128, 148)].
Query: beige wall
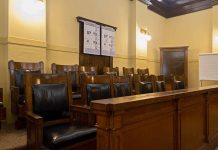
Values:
[(22, 38), (148, 54), (215, 28), (3, 46), (63, 28), (193, 30)]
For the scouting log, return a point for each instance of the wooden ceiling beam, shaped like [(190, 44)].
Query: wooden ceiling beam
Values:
[(169, 8)]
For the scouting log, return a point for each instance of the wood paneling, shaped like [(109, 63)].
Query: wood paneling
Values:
[(172, 8), (192, 122), (175, 120), (92, 60)]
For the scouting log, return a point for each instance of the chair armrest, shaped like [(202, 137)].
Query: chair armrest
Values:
[(34, 118), (82, 115), (14, 87), (34, 131), (81, 108)]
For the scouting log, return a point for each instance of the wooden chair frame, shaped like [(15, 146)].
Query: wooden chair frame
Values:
[(143, 71), (128, 71), (120, 79), (56, 68), (98, 79), (88, 69), (35, 122), (109, 70), (63, 68), (2, 108), (177, 78), (16, 108), (160, 78), (144, 78)]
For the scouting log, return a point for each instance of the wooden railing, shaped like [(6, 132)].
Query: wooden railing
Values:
[(175, 120)]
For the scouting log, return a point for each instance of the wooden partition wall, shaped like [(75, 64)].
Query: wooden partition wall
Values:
[(175, 120)]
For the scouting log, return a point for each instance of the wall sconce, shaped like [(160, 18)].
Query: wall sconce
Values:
[(146, 33), (29, 11)]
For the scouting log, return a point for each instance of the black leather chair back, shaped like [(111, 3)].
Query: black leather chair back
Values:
[(161, 86), (179, 85), (98, 91), (121, 89), (145, 87), (50, 100)]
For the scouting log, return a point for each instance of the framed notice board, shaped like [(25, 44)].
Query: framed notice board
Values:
[(95, 58)]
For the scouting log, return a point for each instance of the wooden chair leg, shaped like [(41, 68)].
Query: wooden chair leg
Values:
[(20, 123)]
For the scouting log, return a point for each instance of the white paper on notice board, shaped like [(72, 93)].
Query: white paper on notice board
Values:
[(208, 67)]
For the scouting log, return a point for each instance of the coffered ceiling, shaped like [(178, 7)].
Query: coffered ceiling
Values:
[(172, 8)]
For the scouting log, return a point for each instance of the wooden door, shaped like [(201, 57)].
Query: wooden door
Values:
[(174, 61)]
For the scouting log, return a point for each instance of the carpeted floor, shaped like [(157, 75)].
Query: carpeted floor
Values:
[(11, 139)]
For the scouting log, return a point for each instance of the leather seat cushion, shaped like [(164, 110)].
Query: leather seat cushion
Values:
[(76, 96), (161, 86), (19, 78), (121, 89), (55, 137), (145, 87), (50, 101), (98, 91)]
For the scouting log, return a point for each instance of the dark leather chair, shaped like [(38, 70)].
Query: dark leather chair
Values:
[(121, 86), (144, 84), (160, 83), (2, 108), (17, 71), (73, 70), (143, 71), (111, 71), (130, 73), (49, 117), (178, 82), (95, 88)]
